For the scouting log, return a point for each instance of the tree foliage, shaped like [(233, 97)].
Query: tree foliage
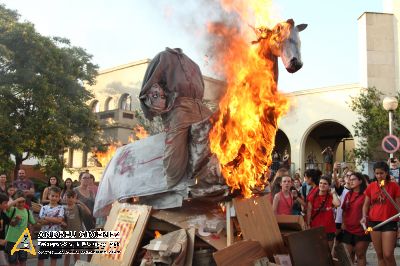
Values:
[(372, 125), (42, 95), (151, 127)]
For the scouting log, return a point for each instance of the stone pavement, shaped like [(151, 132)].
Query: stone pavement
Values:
[(372, 259)]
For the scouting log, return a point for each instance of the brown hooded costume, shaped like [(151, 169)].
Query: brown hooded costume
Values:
[(183, 85)]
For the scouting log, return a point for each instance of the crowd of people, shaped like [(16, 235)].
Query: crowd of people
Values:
[(345, 203), (63, 207)]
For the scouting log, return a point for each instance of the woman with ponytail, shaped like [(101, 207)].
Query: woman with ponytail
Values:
[(378, 208), (353, 233)]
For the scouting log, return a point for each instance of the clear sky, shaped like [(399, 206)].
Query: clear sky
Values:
[(123, 31)]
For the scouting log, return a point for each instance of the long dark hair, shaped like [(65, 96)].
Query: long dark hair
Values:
[(367, 180), (363, 184), (383, 166), (57, 183), (276, 186), (72, 183), (314, 174)]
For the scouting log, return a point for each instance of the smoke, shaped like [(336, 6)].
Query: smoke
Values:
[(215, 24), (195, 18), (117, 87)]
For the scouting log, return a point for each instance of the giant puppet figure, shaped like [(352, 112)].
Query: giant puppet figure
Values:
[(173, 87)]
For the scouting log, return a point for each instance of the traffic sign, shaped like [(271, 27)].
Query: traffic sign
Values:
[(390, 143)]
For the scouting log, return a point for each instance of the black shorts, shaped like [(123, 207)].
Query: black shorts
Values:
[(18, 256), (339, 232), (330, 236), (352, 239), (390, 226)]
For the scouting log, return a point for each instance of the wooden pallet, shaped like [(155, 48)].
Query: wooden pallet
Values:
[(140, 215)]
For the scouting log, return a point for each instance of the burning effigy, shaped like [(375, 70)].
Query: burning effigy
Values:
[(203, 154), (244, 134), (212, 156)]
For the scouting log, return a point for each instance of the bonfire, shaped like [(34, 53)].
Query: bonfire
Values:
[(243, 136)]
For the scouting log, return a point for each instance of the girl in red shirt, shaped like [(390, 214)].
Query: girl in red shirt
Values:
[(353, 233), (320, 210), (378, 208), (284, 200), (311, 177)]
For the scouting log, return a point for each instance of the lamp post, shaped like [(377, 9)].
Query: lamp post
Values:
[(390, 104)]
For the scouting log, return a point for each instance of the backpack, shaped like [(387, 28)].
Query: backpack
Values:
[(13, 213)]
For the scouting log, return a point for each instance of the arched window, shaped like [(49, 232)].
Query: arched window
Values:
[(128, 105), (109, 104), (126, 102), (135, 101), (95, 106)]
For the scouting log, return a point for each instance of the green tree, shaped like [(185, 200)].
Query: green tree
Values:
[(43, 100), (373, 124), (151, 127)]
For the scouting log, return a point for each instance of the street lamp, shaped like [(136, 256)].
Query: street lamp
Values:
[(390, 104)]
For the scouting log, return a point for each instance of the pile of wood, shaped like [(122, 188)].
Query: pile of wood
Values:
[(242, 232)]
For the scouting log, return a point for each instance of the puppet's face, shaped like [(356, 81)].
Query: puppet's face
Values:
[(157, 97)]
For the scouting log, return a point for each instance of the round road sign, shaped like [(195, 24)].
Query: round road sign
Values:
[(390, 143)]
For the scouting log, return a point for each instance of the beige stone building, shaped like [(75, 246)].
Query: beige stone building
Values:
[(317, 118), (116, 95)]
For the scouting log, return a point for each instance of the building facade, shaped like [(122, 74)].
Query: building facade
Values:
[(317, 118)]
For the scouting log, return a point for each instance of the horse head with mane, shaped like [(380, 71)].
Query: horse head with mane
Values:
[(243, 135), (281, 41)]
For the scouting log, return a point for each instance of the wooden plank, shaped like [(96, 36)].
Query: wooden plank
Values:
[(304, 243), (183, 218), (290, 222), (190, 246), (229, 225), (343, 255), (242, 253), (257, 222), (142, 213)]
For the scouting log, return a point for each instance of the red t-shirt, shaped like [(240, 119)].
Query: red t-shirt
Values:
[(325, 216), (352, 212), (380, 207), (285, 205), (311, 193)]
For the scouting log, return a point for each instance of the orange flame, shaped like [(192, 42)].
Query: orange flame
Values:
[(157, 234), (104, 157), (243, 136), (223, 207), (140, 132)]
